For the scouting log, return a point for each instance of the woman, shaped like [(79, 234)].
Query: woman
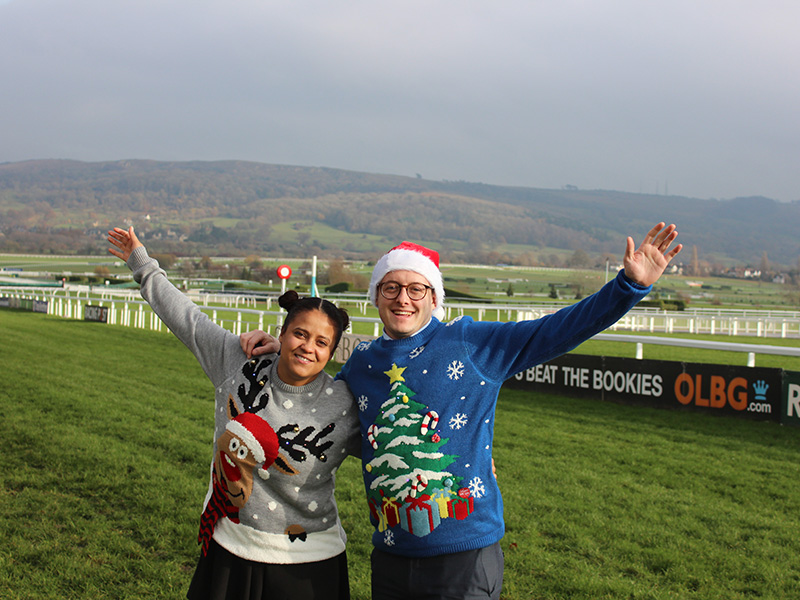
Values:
[(269, 527)]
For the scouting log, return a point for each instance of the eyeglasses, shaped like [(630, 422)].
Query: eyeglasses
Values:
[(416, 291)]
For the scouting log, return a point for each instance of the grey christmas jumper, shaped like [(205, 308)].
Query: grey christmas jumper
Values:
[(290, 515)]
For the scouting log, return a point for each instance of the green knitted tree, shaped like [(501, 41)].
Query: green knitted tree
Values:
[(404, 434)]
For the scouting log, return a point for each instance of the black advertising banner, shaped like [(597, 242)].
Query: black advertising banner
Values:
[(751, 392), (95, 313), (790, 409)]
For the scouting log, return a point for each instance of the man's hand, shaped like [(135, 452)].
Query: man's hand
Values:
[(647, 263), (257, 342)]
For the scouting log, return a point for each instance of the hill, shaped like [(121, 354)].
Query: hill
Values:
[(238, 208)]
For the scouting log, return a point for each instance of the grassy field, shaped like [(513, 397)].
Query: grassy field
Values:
[(108, 433), (697, 355)]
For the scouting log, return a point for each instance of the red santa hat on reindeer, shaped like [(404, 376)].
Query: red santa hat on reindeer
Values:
[(257, 435), (411, 257)]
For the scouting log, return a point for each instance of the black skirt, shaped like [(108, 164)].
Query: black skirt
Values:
[(222, 576)]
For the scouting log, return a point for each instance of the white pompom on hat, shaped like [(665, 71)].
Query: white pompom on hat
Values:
[(411, 257)]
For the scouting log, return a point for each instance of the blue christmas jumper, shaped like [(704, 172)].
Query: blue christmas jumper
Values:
[(427, 406)]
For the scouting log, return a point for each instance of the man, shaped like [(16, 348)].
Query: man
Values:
[(427, 393)]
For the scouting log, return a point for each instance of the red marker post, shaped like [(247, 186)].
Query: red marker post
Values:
[(284, 272)]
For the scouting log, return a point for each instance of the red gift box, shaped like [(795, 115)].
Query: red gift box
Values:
[(391, 511), (462, 505), (373, 508)]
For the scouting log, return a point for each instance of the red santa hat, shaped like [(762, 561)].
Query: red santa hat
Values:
[(411, 257), (257, 435)]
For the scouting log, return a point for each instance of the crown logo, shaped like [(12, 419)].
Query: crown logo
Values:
[(760, 387)]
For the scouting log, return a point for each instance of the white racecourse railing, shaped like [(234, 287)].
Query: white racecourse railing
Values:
[(126, 308)]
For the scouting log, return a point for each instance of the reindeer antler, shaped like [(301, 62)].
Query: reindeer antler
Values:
[(299, 444), (251, 370)]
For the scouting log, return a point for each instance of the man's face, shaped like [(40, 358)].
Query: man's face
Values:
[(403, 316)]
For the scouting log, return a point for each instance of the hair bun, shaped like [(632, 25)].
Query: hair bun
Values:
[(288, 299), (345, 318)]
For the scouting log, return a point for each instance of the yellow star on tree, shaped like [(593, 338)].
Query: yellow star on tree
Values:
[(395, 373)]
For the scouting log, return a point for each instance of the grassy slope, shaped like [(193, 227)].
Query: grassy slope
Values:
[(108, 435)]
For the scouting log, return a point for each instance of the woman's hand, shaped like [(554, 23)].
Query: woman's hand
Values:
[(126, 241)]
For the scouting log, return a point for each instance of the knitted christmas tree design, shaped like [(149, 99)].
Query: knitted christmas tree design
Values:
[(412, 486)]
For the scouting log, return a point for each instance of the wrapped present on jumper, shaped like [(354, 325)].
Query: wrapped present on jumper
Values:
[(420, 516), (376, 514), (442, 497), (391, 511), (462, 505), (373, 508)]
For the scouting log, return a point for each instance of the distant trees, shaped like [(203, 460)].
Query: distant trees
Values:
[(578, 259), (167, 261), (253, 261), (766, 273), (340, 273), (232, 208), (694, 265)]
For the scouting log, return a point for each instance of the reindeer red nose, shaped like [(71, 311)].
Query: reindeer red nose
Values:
[(229, 468)]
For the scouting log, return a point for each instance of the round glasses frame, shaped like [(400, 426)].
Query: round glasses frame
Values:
[(415, 291)]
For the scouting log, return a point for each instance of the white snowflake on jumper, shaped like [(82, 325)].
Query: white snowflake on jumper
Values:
[(388, 538), (456, 320), (476, 487), (455, 370), (416, 352), (459, 421), (362, 403)]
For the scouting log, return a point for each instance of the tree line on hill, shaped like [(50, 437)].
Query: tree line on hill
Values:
[(236, 208)]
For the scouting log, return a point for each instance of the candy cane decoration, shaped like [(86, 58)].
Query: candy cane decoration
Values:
[(429, 421), (420, 484), (371, 433)]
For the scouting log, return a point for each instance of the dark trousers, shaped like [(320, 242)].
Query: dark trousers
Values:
[(222, 576), (471, 575)]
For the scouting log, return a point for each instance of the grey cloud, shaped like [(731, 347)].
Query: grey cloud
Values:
[(697, 96)]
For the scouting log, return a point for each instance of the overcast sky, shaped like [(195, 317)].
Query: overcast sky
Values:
[(689, 97)]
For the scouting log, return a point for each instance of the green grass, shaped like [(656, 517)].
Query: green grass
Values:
[(696, 355), (108, 433), (610, 502)]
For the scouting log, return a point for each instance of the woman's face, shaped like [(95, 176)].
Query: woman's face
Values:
[(305, 347)]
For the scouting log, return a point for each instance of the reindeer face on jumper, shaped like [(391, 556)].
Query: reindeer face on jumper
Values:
[(248, 441)]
